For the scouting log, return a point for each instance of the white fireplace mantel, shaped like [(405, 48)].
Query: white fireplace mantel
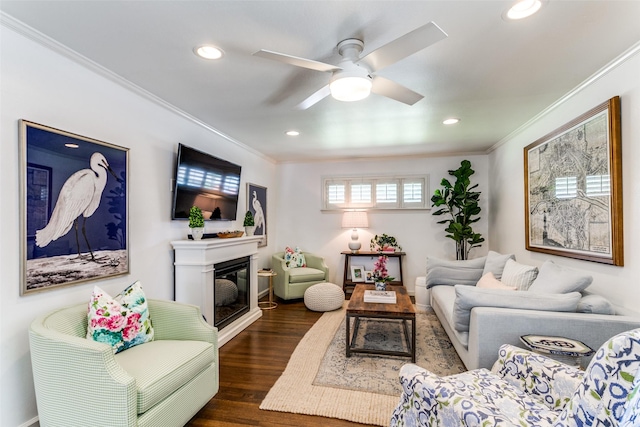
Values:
[(194, 276)]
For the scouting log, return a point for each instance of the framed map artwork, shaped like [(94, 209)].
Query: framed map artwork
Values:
[(573, 188)]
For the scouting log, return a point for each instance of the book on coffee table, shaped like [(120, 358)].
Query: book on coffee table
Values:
[(385, 297)]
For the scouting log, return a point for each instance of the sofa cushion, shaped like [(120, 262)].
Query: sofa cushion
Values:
[(495, 263), (305, 274), (488, 281), (161, 367), (468, 297), (443, 299), (122, 322), (519, 275), (595, 304), (445, 272), (557, 279)]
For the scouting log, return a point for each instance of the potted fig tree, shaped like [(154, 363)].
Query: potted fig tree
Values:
[(459, 203)]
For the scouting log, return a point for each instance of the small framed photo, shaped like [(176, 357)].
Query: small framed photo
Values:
[(368, 277), (357, 273)]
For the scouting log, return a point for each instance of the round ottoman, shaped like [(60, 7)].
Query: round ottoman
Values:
[(324, 297)]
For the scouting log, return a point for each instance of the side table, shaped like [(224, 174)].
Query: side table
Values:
[(268, 305), (565, 350)]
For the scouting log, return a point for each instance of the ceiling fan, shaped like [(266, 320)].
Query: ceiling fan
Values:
[(354, 77)]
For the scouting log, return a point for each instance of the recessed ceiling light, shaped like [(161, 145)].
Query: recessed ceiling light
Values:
[(451, 121), (523, 9), (292, 133), (209, 52), (70, 145)]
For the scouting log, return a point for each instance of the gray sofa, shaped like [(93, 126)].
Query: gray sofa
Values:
[(478, 321)]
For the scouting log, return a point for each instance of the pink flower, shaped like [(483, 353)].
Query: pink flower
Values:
[(130, 332), (380, 273), (133, 319), (115, 322)]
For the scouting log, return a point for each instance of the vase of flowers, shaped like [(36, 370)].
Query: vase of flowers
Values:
[(380, 274)]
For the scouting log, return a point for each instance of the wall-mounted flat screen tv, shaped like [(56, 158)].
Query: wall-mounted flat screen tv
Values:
[(205, 181)]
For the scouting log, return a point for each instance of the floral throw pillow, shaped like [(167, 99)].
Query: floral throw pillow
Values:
[(294, 258), (123, 321)]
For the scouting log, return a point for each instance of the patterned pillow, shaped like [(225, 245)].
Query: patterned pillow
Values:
[(294, 258), (123, 321)]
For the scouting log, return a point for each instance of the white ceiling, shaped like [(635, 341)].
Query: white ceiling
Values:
[(492, 74)]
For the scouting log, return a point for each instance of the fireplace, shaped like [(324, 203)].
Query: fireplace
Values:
[(232, 286), (221, 277)]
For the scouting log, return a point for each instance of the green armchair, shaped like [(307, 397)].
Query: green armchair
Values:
[(290, 283), (164, 382)]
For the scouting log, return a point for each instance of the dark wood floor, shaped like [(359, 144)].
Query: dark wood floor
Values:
[(249, 366)]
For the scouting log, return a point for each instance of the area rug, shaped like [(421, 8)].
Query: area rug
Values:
[(364, 388)]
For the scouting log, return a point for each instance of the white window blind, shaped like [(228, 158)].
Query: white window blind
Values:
[(375, 192)]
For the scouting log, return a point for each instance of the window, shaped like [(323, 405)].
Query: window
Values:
[(376, 192)]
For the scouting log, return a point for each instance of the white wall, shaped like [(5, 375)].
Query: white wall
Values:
[(41, 85), (302, 223), (620, 284)]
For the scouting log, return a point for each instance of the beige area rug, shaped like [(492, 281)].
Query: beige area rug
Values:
[(320, 380)]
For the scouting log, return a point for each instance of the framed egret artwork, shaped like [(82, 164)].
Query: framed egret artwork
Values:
[(73, 220), (573, 188), (257, 204)]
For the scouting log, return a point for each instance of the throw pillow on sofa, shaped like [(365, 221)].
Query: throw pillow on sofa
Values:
[(123, 321), (488, 281), (446, 272), (495, 263), (519, 275), (556, 279), (595, 304), (468, 297)]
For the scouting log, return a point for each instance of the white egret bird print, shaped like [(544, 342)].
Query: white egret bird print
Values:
[(80, 195), (258, 216)]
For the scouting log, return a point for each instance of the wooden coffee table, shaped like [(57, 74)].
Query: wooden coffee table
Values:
[(402, 310)]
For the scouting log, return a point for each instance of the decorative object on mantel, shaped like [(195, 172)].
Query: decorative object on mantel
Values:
[(249, 224), (70, 182), (384, 243), (230, 234), (573, 188), (196, 222), (355, 220), (461, 204), (380, 274)]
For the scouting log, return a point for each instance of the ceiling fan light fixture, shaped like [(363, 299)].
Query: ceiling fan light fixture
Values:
[(350, 88), (209, 52), (523, 9)]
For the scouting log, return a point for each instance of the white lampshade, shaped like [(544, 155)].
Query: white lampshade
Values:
[(355, 220)]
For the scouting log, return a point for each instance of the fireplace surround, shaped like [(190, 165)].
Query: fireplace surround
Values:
[(220, 276)]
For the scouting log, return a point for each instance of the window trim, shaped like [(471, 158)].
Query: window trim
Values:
[(373, 181)]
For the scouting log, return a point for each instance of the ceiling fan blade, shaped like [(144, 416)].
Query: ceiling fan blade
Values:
[(314, 98), (404, 46), (294, 60), (393, 90)]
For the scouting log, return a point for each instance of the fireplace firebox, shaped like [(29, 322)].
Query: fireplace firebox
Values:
[(231, 290)]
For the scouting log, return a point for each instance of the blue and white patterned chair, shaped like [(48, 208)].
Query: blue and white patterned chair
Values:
[(527, 389)]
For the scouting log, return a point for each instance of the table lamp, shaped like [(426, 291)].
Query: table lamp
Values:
[(355, 220)]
